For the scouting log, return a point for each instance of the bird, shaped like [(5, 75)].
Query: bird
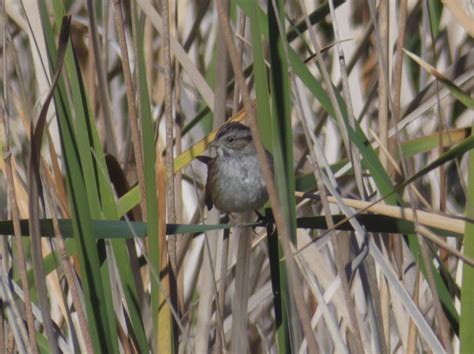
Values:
[(235, 181)]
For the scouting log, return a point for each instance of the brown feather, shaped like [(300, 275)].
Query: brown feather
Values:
[(204, 159), (208, 196), (230, 126)]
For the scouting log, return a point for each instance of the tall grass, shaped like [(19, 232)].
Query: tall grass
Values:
[(366, 245)]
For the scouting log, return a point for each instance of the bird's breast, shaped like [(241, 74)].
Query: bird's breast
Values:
[(239, 184)]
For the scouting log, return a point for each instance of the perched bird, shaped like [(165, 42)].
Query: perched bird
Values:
[(234, 178)]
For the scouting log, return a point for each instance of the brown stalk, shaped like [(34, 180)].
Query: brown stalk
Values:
[(170, 195), (164, 316), (10, 339), (383, 120), (441, 130), (385, 305), (132, 109), (179, 175), (119, 180), (21, 264), (383, 78), (293, 276), (240, 341), (397, 74), (240, 50), (412, 330), (220, 99), (220, 340), (170, 189), (178, 148)]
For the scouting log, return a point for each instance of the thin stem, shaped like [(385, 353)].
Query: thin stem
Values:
[(132, 109)]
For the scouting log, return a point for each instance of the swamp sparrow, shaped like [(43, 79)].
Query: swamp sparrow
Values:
[(234, 178)]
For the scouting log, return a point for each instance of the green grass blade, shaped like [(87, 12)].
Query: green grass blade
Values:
[(283, 155), (111, 229), (467, 288), (149, 157), (455, 90), (261, 79), (427, 143)]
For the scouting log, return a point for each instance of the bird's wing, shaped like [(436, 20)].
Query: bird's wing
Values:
[(208, 197)]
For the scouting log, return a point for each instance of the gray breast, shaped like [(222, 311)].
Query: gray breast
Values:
[(241, 186)]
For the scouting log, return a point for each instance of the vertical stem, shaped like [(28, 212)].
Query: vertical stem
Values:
[(382, 79), (397, 74), (20, 251), (412, 330), (178, 148), (220, 94), (170, 207), (240, 46), (132, 109), (170, 190), (241, 295), (220, 339), (467, 301), (383, 119)]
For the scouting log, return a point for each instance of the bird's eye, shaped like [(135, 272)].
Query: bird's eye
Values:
[(230, 139)]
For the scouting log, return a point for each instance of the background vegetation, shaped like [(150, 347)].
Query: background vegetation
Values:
[(367, 108)]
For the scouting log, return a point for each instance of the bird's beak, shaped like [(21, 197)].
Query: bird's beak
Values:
[(213, 144)]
